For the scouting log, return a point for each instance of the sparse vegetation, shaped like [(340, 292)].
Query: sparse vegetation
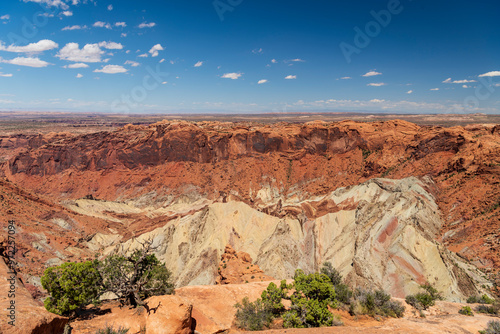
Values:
[(484, 299), (253, 316), (493, 327), (466, 310), (424, 300), (375, 303), (110, 330)]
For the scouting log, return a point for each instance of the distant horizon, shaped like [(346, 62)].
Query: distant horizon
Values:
[(388, 56)]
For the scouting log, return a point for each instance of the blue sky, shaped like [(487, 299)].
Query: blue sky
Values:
[(169, 56)]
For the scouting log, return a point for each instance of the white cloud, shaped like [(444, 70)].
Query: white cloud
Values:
[(490, 74), (198, 64), (132, 63), (120, 24), (5, 17), (112, 69), (263, 81), (147, 25), (376, 84), (409, 92), (458, 81), (52, 3), (28, 61), (123, 34), (274, 61), (154, 50), (257, 51), (90, 53), (43, 45), (345, 78), (75, 27), (372, 73), (67, 13), (111, 45), (5, 75), (78, 76), (465, 86), (232, 76), (434, 88), (110, 7), (77, 65), (161, 61), (290, 77), (144, 55), (100, 24), (297, 60)]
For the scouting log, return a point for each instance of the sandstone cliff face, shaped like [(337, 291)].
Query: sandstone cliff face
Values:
[(382, 235)]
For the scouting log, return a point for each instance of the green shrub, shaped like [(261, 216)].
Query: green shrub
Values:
[(332, 273), (253, 316), (342, 291), (273, 296), (314, 286), (375, 303), (71, 286), (466, 310), (110, 330), (423, 300), (493, 327), (307, 313), (484, 299)]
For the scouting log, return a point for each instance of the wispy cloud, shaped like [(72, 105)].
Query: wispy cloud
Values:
[(132, 63), (67, 13), (232, 76), (110, 7), (409, 92), (376, 84), (263, 81), (198, 64), (435, 89), (5, 17), (291, 77), (111, 45), (147, 25), (75, 27), (112, 69), (345, 78), (372, 73), (120, 24), (77, 65), (257, 51), (5, 75), (458, 81), (100, 24)]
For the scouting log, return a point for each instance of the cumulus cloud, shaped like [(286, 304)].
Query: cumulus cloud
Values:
[(490, 74), (198, 64), (232, 76), (90, 53), (110, 7), (111, 45), (144, 55), (263, 81), (75, 27), (409, 92), (53, 3), (67, 13), (147, 25), (25, 61), (77, 65), (371, 74), (79, 76), (100, 24), (112, 69), (376, 84), (154, 50), (465, 86), (290, 77), (132, 63), (120, 24), (274, 61), (5, 17), (43, 45)]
